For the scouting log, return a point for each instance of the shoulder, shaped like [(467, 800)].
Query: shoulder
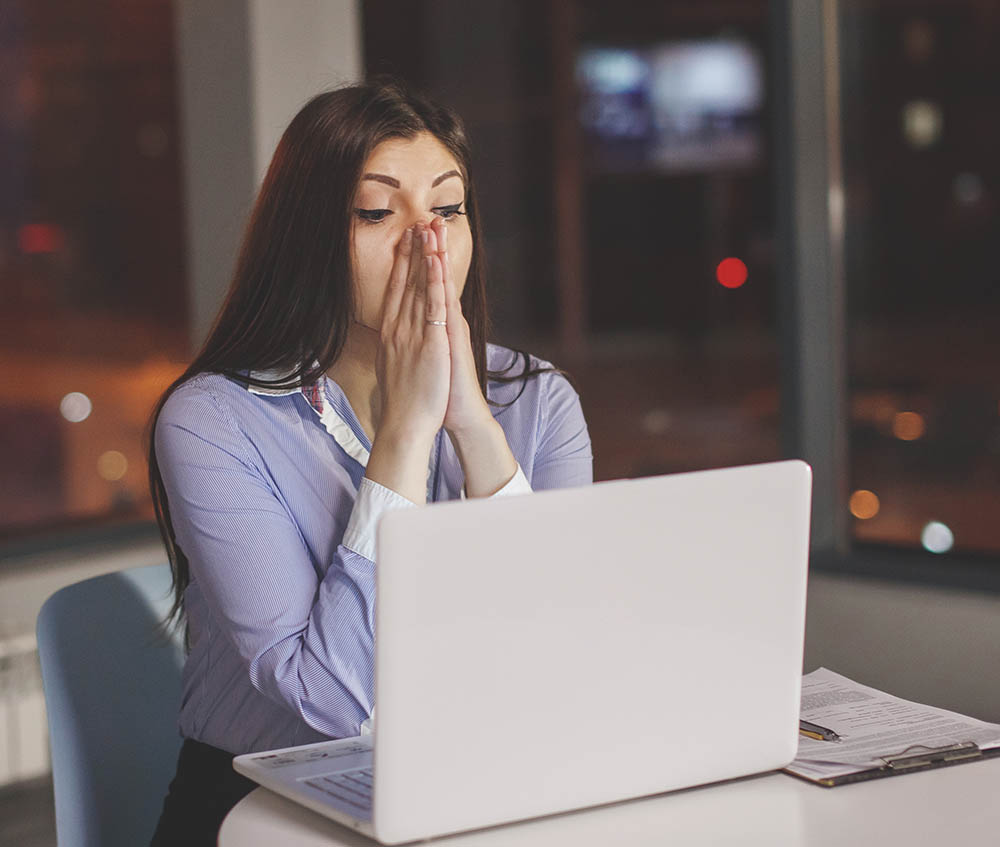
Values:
[(203, 397), (510, 364), (222, 410), (543, 419), (214, 410)]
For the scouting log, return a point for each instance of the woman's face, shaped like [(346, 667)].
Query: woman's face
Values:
[(405, 181)]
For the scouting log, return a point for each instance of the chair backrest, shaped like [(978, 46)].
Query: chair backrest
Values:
[(112, 692)]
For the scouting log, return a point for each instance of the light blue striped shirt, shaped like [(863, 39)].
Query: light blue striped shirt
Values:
[(271, 507)]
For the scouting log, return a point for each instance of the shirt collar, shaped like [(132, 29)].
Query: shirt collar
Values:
[(315, 395), (273, 375)]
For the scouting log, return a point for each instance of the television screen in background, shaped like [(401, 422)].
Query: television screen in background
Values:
[(676, 106)]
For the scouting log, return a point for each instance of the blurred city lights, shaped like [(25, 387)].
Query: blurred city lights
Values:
[(873, 407), (731, 272), (112, 465), (908, 426), (864, 504), (611, 70), (922, 123), (937, 538), (75, 407), (968, 189), (34, 239), (656, 421), (835, 204)]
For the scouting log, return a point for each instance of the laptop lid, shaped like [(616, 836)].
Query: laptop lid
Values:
[(586, 645)]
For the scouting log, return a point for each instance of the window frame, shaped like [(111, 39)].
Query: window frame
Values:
[(813, 325)]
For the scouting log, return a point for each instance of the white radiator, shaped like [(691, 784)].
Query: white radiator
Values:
[(24, 734)]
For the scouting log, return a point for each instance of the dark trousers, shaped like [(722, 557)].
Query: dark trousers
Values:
[(203, 791)]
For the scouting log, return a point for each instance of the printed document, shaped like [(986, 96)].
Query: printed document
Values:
[(874, 725)]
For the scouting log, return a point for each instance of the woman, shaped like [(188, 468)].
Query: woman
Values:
[(348, 374)]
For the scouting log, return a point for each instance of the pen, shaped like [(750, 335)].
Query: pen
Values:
[(820, 733)]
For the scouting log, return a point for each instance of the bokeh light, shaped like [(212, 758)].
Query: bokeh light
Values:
[(112, 465), (937, 538), (908, 426), (75, 407), (34, 239), (731, 272), (656, 421), (923, 123), (864, 504), (968, 189)]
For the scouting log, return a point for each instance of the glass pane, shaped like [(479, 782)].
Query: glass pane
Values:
[(630, 141), (921, 134), (91, 254)]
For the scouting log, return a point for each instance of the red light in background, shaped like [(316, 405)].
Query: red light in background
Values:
[(731, 272), (40, 238)]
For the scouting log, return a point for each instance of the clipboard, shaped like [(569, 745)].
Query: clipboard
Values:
[(862, 734), (904, 762)]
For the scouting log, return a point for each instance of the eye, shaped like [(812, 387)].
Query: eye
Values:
[(373, 216), (448, 212)]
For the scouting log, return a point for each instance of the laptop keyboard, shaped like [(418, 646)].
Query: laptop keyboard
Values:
[(353, 788)]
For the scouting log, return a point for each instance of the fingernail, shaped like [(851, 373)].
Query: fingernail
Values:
[(423, 236), (430, 261), (408, 235)]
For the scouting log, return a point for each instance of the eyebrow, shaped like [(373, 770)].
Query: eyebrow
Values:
[(388, 180), (445, 176), (392, 181)]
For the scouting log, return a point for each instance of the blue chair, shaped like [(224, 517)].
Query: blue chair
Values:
[(112, 686)]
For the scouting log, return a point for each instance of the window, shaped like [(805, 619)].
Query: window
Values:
[(922, 184), (627, 163), (93, 323)]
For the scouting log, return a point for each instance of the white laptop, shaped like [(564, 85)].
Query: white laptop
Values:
[(570, 648)]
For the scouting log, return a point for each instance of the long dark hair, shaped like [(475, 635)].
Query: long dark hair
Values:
[(290, 301)]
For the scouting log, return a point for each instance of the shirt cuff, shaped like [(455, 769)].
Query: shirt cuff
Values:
[(368, 724), (374, 500), (517, 484)]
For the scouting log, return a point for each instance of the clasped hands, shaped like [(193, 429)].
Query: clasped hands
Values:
[(426, 369), (427, 376)]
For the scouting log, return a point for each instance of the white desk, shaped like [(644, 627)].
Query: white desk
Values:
[(950, 806)]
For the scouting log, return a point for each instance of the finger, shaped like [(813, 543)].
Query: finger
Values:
[(416, 268), (419, 287), (436, 307), (450, 290), (432, 237), (430, 248), (442, 235), (416, 274), (419, 307), (457, 326), (397, 277)]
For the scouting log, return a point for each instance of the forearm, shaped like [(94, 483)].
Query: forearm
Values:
[(486, 458), (399, 460), (326, 675)]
